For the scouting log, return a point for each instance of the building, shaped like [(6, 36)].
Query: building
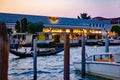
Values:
[(57, 26), (113, 21)]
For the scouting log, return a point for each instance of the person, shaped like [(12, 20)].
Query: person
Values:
[(16, 43)]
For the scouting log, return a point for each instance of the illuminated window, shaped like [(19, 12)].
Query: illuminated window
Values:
[(67, 30)]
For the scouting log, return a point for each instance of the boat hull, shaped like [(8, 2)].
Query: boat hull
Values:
[(40, 53), (110, 70)]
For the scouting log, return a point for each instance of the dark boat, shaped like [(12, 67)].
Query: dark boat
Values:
[(47, 45), (39, 53)]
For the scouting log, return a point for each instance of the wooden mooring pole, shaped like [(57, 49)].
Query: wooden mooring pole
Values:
[(66, 57), (4, 50), (83, 55), (35, 59)]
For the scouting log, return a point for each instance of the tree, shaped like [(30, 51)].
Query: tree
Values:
[(84, 16), (9, 31), (35, 27), (17, 26), (116, 29), (24, 24)]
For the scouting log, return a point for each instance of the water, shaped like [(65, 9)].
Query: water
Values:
[(51, 67)]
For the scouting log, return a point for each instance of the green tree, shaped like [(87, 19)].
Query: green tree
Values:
[(9, 31), (35, 27), (24, 24), (17, 26), (116, 29), (84, 16)]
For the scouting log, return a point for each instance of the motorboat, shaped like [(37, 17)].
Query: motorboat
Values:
[(103, 64)]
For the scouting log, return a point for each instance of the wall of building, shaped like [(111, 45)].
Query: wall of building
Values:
[(10, 25)]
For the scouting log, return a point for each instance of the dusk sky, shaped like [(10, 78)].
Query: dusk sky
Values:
[(62, 8)]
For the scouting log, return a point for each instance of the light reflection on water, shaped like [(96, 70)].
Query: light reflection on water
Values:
[(50, 67)]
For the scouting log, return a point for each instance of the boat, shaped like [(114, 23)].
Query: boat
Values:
[(111, 42), (52, 51), (103, 64)]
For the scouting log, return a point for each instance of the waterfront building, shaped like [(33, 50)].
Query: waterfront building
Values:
[(55, 27), (113, 21)]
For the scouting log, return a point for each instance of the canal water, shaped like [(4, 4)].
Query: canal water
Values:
[(52, 67)]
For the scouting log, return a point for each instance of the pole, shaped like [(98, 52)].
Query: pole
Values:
[(106, 43), (66, 57), (4, 52), (35, 59), (83, 55)]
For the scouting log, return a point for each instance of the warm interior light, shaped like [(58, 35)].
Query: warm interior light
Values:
[(67, 30), (54, 19)]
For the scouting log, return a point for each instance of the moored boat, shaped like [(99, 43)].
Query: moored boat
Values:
[(111, 42), (52, 51), (106, 64)]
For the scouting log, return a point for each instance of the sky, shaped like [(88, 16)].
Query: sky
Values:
[(62, 8)]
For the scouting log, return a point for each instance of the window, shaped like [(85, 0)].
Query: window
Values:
[(103, 25), (89, 58), (99, 25), (90, 24), (96, 25)]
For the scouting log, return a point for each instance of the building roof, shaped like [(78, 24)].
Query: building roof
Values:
[(115, 20), (100, 18), (59, 21), (112, 20)]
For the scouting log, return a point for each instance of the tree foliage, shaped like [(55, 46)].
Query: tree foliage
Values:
[(24, 24), (116, 29), (84, 16), (17, 26), (9, 31), (35, 27)]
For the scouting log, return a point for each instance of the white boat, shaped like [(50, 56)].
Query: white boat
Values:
[(111, 41), (106, 65)]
